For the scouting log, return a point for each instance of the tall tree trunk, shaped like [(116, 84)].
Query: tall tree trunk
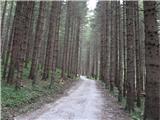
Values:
[(96, 67), (23, 40), (103, 27), (66, 37), (116, 44), (73, 48), (107, 44), (45, 36), (152, 100), (17, 32), (88, 62), (70, 48), (31, 35), (37, 42), (138, 65), (130, 56), (19, 42), (11, 52), (55, 49), (124, 49), (50, 42), (3, 15), (9, 20), (113, 42), (77, 46), (120, 55), (5, 54)]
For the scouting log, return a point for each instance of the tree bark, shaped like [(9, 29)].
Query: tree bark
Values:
[(50, 42), (9, 20), (55, 49), (113, 46), (3, 16), (152, 100), (37, 42), (130, 56), (66, 37), (138, 65)]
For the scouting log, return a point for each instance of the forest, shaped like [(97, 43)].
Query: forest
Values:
[(80, 60)]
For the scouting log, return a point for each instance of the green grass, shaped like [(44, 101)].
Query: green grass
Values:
[(12, 98), (138, 112)]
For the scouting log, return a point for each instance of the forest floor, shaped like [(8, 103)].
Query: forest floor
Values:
[(87, 100), (29, 99)]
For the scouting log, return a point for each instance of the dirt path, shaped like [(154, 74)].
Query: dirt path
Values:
[(85, 101)]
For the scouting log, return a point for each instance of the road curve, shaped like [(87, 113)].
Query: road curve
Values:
[(83, 102)]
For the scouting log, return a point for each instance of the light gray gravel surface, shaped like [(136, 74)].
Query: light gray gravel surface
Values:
[(85, 101)]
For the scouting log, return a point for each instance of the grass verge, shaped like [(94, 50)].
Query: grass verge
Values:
[(29, 98)]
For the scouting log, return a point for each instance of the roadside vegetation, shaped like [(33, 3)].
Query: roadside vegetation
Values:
[(15, 102)]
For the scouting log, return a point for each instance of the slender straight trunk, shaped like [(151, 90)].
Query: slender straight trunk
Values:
[(70, 36), (19, 43), (31, 36), (50, 42), (5, 54), (77, 46), (124, 49), (101, 51), (70, 48), (130, 56), (113, 42), (152, 100), (116, 44), (73, 48), (142, 55), (9, 50), (23, 40), (107, 44), (3, 16), (80, 58), (93, 66), (88, 62), (103, 41), (138, 65), (9, 20), (37, 42), (45, 35), (10, 53), (120, 63), (66, 38), (55, 49), (17, 29), (96, 66)]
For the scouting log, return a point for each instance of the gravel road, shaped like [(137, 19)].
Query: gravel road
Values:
[(84, 101)]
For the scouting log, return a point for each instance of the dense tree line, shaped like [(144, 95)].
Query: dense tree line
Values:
[(129, 52), (118, 44), (39, 37)]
